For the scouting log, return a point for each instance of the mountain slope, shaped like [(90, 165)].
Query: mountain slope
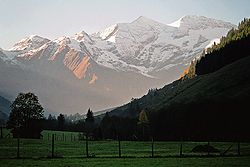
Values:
[(208, 107), (66, 93), (231, 81)]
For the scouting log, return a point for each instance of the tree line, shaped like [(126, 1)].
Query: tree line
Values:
[(27, 120)]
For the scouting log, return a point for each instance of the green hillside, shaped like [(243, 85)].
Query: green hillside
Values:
[(213, 104), (220, 98), (232, 81)]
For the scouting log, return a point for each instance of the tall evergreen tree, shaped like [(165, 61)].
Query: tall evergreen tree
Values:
[(61, 121), (89, 122), (90, 116)]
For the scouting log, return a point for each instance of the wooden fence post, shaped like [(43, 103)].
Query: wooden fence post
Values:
[(53, 143), (152, 145), (239, 148), (1, 132), (18, 147), (181, 154), (87, 146), (208, 147), (119, 147)]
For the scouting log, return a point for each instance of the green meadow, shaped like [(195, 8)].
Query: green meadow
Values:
[(70, 151)]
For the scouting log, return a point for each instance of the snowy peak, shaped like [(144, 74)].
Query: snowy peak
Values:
[(109, 33), (176, 23), (143, 19), (140, 24), (82, 36), (28, 43), (36, 38), (63, 40), (199, 22)]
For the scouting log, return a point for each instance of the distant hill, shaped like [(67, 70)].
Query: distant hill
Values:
[(4, 109)]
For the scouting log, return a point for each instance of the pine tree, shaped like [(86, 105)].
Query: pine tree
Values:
[(61, 121), (89, 122), (143, 121), (90, 116)]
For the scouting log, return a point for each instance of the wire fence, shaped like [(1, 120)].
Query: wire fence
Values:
[(73, 144)]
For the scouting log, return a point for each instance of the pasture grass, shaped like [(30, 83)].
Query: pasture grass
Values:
[(122, 162), (72, 152)]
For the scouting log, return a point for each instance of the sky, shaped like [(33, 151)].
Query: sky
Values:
[(56, 18)]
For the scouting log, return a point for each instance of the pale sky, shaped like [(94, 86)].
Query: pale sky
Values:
[(56, 18)]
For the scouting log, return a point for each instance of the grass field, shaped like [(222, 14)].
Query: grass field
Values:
[(117, 162), (72, 152)]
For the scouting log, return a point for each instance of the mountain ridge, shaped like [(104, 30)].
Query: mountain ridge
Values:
[(143, 54)]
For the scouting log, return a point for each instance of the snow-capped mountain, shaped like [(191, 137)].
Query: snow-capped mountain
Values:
[(146, 46), (31, 42), (114, 61)]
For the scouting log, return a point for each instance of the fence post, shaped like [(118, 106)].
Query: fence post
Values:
[(1, 132), (239, 148), (18, 147), (208, 148), (87, 146), (119, 146), (181, 154), (53, 143), (152, 144)]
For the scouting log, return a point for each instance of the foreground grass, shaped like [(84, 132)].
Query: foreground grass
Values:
[(34, 152), (41, 148), (108, 162)]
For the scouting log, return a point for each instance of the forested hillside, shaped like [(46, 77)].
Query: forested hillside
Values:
[(212, 105)]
